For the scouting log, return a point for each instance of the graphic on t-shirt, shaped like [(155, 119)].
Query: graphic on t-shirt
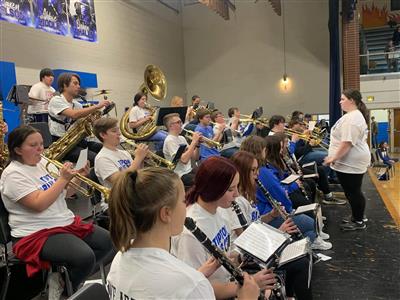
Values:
[(112, 291), (123, 164), (221, 239), (48, 181), (255, 214)]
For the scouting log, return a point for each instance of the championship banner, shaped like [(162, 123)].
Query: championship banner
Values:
[(51, 16), (16, 11), (82, 20)]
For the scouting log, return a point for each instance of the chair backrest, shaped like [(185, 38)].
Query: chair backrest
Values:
[(91, 291), (5, 230), (97, 195), (43, 128)]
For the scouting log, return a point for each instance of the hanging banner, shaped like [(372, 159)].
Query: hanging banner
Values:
[(51, 16), (16, 11), (82, 20)]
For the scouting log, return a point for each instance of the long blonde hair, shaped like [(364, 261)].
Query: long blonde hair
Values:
[(176, 101), (135, 201)]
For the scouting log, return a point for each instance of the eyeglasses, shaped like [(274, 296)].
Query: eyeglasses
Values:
[(177, 122)]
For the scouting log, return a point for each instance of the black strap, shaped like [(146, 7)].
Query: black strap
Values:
[(56, 120)]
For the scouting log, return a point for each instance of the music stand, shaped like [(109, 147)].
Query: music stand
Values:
[(19, 95), (163, 111)]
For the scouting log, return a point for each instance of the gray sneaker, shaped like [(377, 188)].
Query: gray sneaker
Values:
[(352, 226), (334, 201), (349, 219)]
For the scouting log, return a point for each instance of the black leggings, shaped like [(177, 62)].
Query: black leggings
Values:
[(351, 184), (78, 255)]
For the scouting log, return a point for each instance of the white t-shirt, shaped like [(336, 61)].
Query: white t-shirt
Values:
[(57, 105), (40, 91), (249, 211), (351, 127), (152, 273), (108, 162), (171, 146), (216, 227), (19, 180), (137, 113)]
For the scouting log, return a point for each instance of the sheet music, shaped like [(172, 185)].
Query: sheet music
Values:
[(310, 176), (311, 125), (260, 240), (291, 178), (82, 160), (304, 208), (294, 250)]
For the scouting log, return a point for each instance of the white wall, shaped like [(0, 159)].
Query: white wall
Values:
[(385, 88), (130, 36), (240, 62)]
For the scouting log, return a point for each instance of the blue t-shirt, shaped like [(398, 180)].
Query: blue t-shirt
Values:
[(206, 151), (273, 186), (281, 176)]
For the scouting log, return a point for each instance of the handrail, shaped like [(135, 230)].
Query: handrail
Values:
[(380, 53)]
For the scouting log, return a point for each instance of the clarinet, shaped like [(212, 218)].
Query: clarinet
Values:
[(300, 173), (275, 204), (236, 273), (240, 215)]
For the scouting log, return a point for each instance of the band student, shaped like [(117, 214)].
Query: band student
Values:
[(140, 115), (111, 162), (214, 190), (41, 93), (43, 229), (174, 140), (147, 208), (64, 110)]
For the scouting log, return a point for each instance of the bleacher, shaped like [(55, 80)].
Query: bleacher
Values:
[(376, 40)]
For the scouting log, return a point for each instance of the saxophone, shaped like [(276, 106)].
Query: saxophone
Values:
[(4, 154), (76, 133)]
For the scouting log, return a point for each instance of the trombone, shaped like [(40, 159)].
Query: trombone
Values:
[(308, 138), (155, 159), (249, 119), (209, 142), (90, 183)]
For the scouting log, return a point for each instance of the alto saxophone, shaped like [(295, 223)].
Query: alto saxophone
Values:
[(4, 154)]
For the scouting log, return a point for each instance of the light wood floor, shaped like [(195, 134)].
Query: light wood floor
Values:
[(389, 191)]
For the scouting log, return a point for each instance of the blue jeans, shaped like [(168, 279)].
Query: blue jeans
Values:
[(374, 141), (318, 156), (303, 222), (159, 138)]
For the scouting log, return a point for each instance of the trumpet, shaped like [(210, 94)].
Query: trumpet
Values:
[(90, 183), (209, 142), (155, 159)]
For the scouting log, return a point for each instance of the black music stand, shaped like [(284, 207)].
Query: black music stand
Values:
[(163, 111), (19, 95)]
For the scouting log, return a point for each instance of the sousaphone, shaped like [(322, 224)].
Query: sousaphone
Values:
[(154, 84)]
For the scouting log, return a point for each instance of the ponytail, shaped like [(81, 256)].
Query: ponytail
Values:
[(355, 95), (135, 201)]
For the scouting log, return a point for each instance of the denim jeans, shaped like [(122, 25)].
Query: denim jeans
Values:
[(318, 156), (303, 222), (159, 138)]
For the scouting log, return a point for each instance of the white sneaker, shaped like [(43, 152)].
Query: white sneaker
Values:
[(320, 244), (324, 235), (56, 286)]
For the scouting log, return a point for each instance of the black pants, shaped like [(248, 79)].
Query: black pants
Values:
[(351, 184), (322, 179), (296, 280), (73, 154), (78, 255)]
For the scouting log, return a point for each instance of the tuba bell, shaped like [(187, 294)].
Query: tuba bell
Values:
[(154, 84)]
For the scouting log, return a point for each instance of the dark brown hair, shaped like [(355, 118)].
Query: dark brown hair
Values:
[(355, 95), (65, 79), (212, 180), (135, 201), (243, 161), (16, 138), (202, 112), (273, 154)]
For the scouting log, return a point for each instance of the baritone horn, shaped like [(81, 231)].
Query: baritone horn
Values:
[(90, 183), (156, 160)]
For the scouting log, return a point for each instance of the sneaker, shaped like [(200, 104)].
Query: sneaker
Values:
[(320, 244), (323, 218), (349, 219), (352, 226), (334, 201), (324, 235), (56, 286)]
